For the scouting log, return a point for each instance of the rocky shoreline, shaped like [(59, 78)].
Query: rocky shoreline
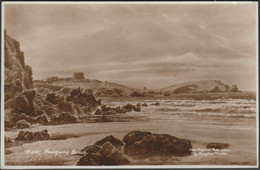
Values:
[(31, 108)]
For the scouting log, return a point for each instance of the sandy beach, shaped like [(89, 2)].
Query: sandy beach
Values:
[(71, 138)]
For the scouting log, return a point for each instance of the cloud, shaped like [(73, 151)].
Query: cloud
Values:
[(127, 42)]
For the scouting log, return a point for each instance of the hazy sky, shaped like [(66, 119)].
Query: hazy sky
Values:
[(152, 45)]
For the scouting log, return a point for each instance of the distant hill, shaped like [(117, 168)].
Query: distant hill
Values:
[(199, 87)]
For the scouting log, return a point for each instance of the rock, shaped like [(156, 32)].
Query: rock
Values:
[(217, 145), (21, 124), (111, 139), (112, 156), (104, 118), (24, 103), (135, 136), (155, 104), (83, 99), (30, 95), (147, 144), (41, 120), (28, 136), (8, 125), (17, 75), (98, 112), (49, 110), (57, 99), (7, 152), (233, 88), (137, 108), (52, 98), (129, 107), (107, 154), (215, 90), (73, 93), (90, 159), (16, 117), (7, 139), (63, 118), (105, 108), (144, 105)]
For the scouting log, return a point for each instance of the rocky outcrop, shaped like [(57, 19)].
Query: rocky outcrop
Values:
[(63, 118), (42, 120), (104, 152), (18, 76), (83, 99), (146, 143), (130, 107), (29, 136), (24, 103), (199, 87), (217, 145), (234, 88), (111, 139), (215, 90), (106, 110), (112, 151)]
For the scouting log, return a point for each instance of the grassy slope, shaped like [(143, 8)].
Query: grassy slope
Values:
[(85, 84)]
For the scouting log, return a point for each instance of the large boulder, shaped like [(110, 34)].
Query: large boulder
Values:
[(111, 139), (105, 154), (148, 144)]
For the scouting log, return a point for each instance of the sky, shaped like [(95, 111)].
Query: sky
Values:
[(138, 45)]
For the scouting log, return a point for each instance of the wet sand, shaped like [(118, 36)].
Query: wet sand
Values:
[(242, 141)]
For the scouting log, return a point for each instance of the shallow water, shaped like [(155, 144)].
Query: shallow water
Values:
[(230, 121)]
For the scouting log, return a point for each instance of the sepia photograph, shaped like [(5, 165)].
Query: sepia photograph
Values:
[(129, 85)]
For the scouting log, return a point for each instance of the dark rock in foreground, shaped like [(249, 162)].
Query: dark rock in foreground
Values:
[(111, 139), (104, 152), (146, 143), (108, 151), (217, 145), (28, 136)]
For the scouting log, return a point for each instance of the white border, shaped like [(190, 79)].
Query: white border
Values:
[(133, 166)]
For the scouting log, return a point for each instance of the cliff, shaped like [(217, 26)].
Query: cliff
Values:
[(17, 75)]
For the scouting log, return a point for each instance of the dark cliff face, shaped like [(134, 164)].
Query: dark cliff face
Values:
[(18, 75)]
